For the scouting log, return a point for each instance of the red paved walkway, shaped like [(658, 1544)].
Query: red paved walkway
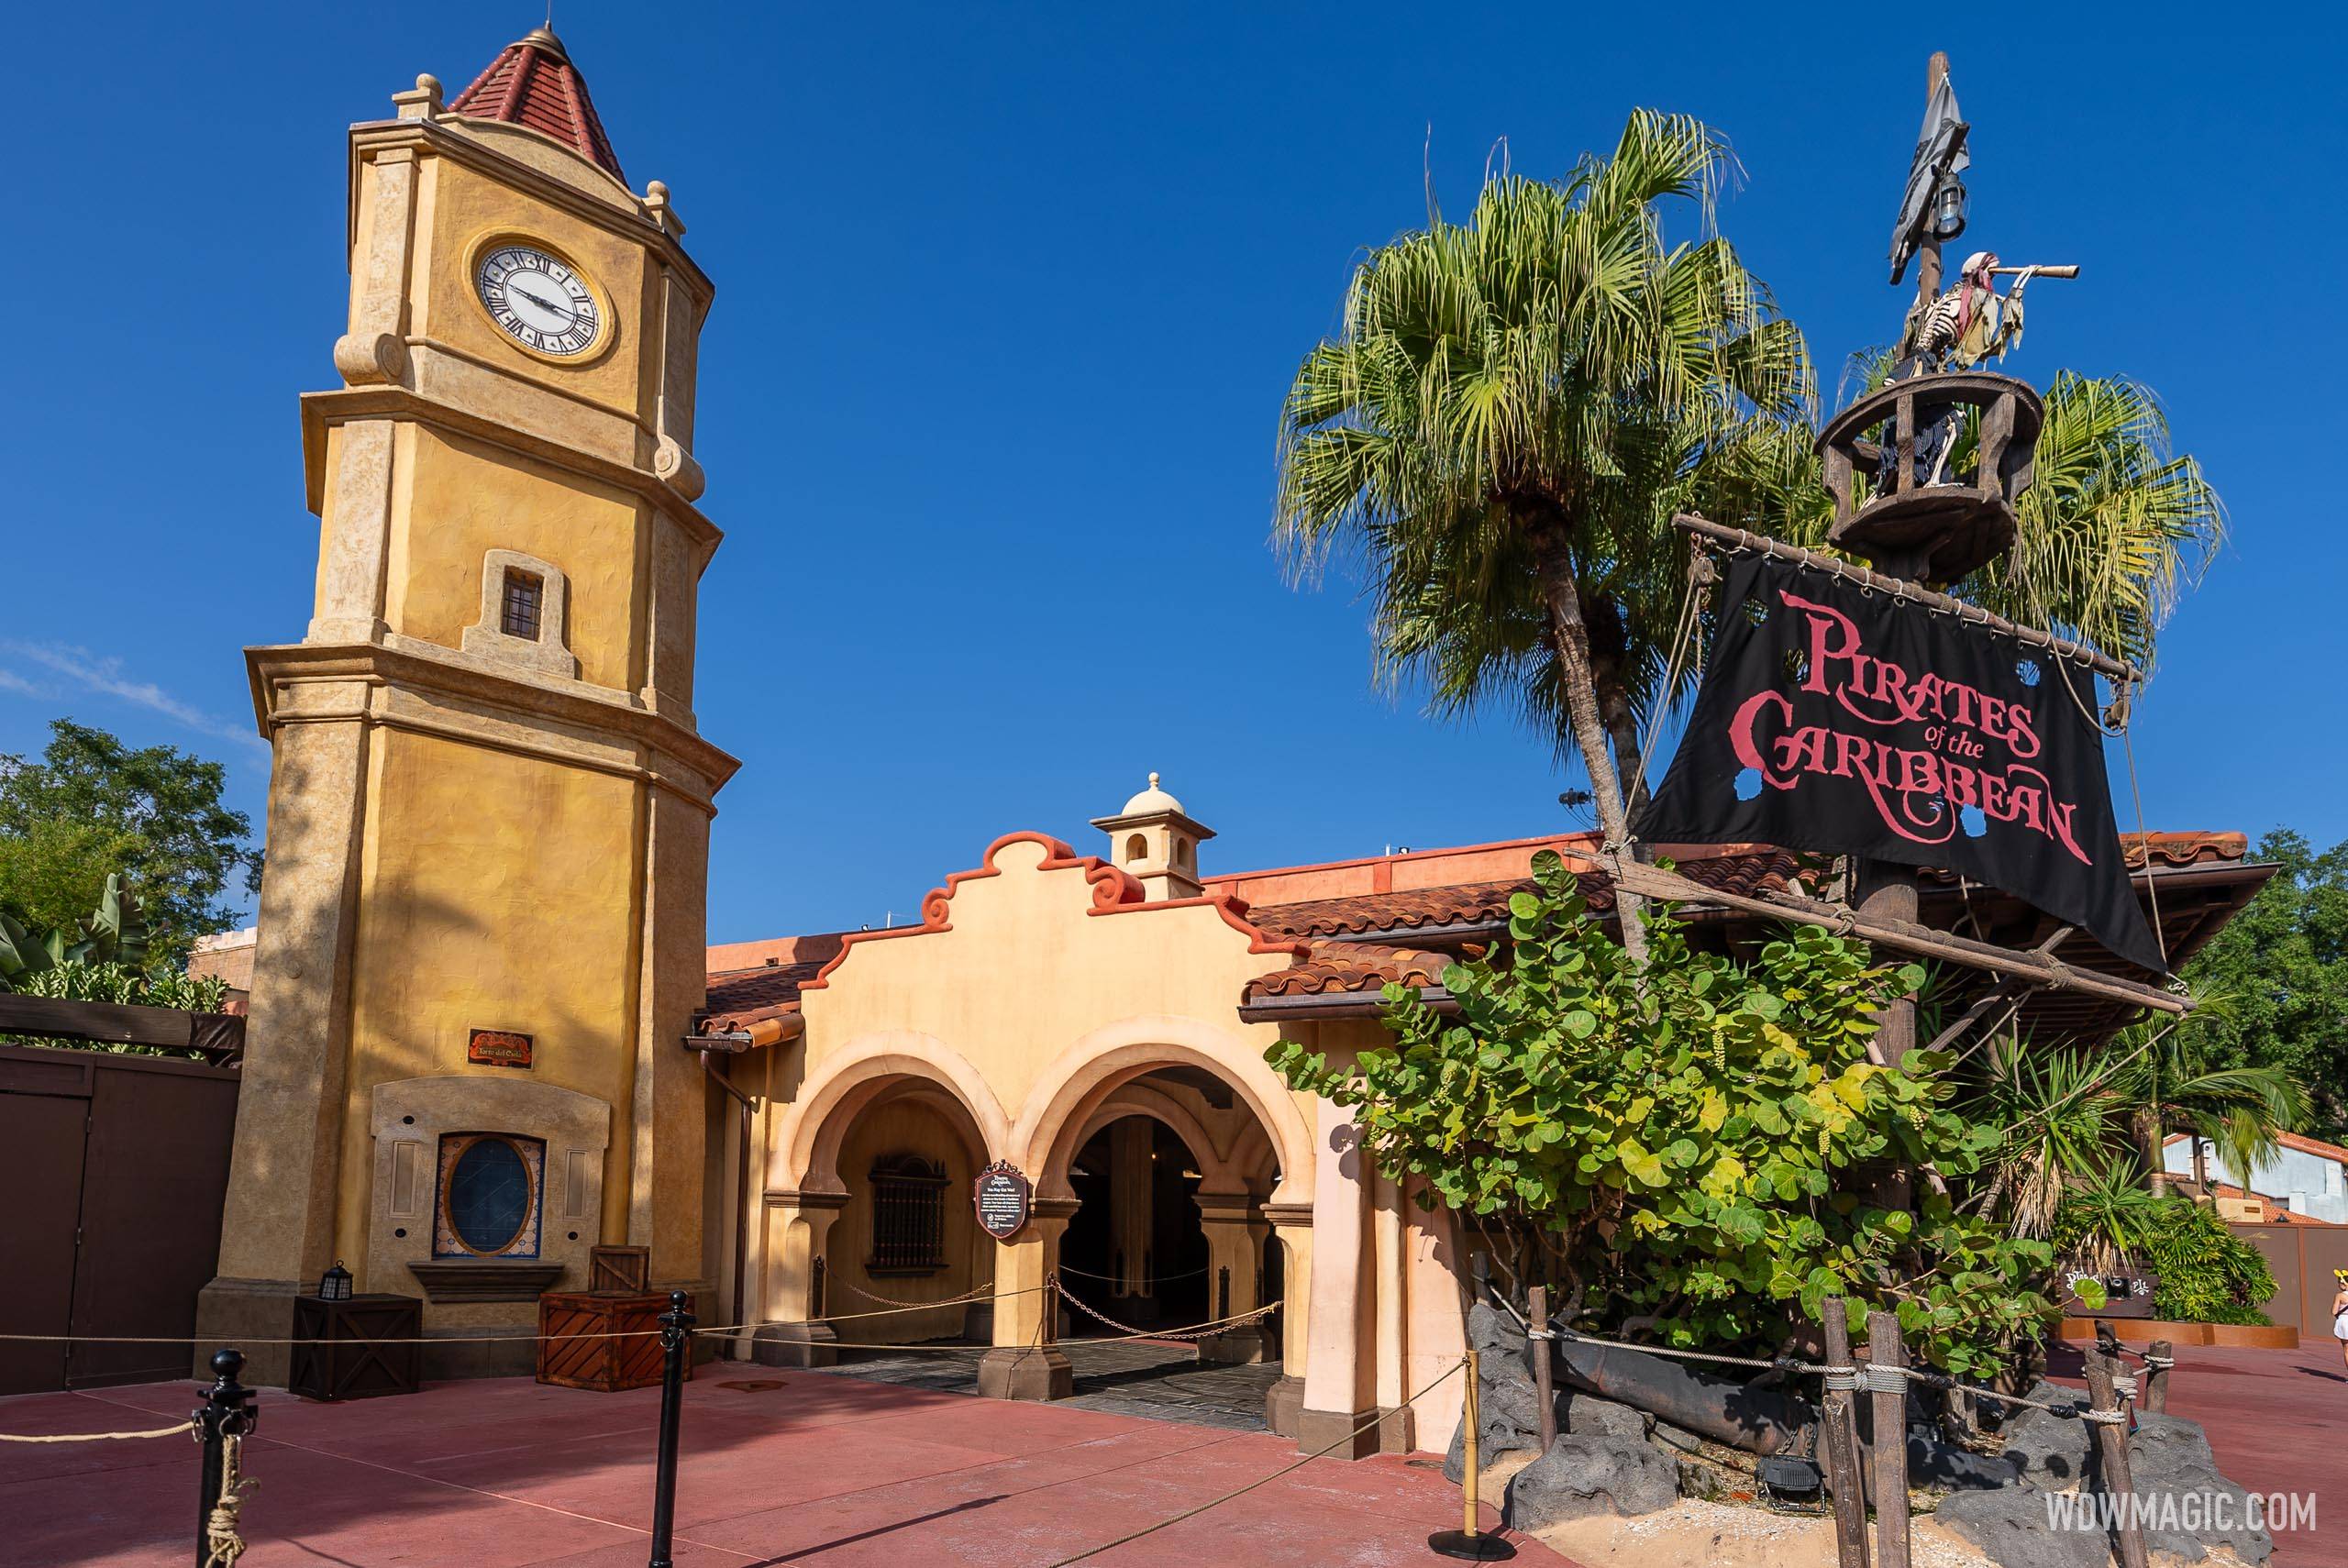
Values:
[(2279, 1422), (824, 1470)]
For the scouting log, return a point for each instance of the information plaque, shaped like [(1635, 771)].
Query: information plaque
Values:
[(1002, 1198)]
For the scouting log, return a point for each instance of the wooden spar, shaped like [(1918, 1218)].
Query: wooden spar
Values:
[(2111, 669), (1655, 882)]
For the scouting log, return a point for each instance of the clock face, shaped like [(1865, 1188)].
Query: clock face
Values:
[(542, 303)]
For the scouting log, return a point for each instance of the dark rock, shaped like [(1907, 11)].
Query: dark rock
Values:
[(1509, 1405), (1943, 1466), (2177, 1475), (2170, 1459), (2011, 1525), (1587, 1415), (1592, 1474), (2048, 1451)]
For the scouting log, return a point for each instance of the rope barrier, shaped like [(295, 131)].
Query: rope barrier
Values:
[(974, 1294), (1202, 1332), (223, 1544), (1114, 1279), (1863, 1375), (103, 1437), (512, 1338), (1287, 1469)]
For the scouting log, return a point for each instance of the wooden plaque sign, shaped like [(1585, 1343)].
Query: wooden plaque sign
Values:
[(1003, 1199), (498, 1048), (2127, 1292)]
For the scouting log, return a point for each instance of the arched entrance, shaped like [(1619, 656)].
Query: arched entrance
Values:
[(1162, 1170), (1136, 1247)]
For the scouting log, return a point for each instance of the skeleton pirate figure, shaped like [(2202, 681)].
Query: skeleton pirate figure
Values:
[(1965, 325)]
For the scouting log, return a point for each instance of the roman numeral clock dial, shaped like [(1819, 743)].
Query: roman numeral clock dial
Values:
[(540, 302)]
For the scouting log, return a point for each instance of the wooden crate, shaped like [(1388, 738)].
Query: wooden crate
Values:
[(623, 1271), (352, 1349), (604, 1364)]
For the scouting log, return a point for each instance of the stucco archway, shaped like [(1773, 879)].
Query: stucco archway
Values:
[(1084, 1075), (807, 1150)]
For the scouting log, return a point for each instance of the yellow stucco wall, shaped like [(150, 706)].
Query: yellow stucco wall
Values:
[(498, 893), (460, 208), (463, 498)]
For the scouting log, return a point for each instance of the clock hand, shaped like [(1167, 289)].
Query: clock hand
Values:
[(546, 304)]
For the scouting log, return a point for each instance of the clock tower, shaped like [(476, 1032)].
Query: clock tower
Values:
[(481, 920)]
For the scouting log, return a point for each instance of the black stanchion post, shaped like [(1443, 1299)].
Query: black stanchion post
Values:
[(676, 1344), (227, 1411)]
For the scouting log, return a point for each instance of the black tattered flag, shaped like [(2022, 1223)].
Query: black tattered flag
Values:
[(1839, 720)]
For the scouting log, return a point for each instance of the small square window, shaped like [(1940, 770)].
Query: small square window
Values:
[(521, 613)]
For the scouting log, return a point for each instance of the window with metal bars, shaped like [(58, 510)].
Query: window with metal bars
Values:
[(524, 593), (908, 1216)]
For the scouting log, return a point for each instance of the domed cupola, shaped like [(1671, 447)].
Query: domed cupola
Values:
[(1156, 842)]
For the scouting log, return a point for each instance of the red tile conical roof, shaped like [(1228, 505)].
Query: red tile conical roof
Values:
[(532, 83)]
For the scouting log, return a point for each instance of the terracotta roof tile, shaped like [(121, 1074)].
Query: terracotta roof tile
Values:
[(1484, 903), (532, 83), (1346, 967), (742, 997), (2183, 848)]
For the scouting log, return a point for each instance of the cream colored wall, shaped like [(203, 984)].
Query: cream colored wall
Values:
[(496, 892), (895, 1127), (1030, 987), (463, 498)]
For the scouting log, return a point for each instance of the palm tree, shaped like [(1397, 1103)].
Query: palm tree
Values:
[(2112, 529), (1501, 429), (2169, 1086)]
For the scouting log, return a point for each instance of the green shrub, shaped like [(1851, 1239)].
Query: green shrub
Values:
[(120, 983), (2208, 1275), (1684, 1146)]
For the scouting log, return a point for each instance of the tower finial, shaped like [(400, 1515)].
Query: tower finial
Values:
[(1153, 780)]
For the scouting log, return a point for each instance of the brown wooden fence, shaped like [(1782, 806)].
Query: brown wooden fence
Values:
[(118, 1167), (2302, 1258)]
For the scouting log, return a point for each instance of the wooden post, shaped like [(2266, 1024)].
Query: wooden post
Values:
[(1475, 1460), (1544, 1387), (1844, 1476), (2108, 1419), (1889, 1404), (2159, 1356), (1471, 1544)]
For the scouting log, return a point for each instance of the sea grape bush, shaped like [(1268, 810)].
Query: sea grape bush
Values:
[(1679, 1147)]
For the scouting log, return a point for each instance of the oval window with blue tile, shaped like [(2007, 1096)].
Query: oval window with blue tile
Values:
[(489, 1196)]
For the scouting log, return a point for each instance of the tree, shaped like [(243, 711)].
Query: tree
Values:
[(2283, 963), (51, 872), (1677, 1143), (1503, 422), (2169, 1084), (2112, 530), (2113, 527), (156, 809)]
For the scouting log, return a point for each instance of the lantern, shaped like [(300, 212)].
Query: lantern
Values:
[(336, 1284), (1948, 207)]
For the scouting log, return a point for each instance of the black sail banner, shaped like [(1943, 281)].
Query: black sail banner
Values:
[(1839, 720)]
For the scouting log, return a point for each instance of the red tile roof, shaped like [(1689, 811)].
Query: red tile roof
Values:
[(532, 83), (1736, 870), (1347, 966), (1424, 893)]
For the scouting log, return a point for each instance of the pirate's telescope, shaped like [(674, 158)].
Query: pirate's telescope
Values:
[(1925, 471)]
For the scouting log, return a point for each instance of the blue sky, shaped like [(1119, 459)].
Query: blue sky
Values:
[(1007, 300)]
